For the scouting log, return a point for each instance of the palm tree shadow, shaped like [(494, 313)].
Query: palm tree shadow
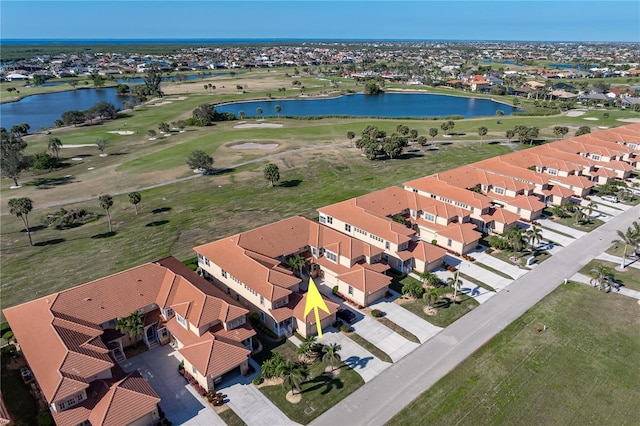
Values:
[(323, 381), (103, 235), (50, 242), (157, 223)]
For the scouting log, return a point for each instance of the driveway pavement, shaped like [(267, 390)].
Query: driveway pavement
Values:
[(387, 340), (548, 234), (554, 226), (408, 378), (485, 276), (629, 261), (180, 402), (249, 403), (355, 356), (499, 265), (411, 322)]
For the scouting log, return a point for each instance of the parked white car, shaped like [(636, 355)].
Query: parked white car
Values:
[(610, 198)]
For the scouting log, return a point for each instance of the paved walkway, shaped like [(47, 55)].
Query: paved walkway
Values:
[(581, 278), (492, 279), (481, 294), (387, 340), (355, 356), (249, 403), (554, 226), (411, 322), (407, 379), (513, 271), (632, 262), (180, 402)]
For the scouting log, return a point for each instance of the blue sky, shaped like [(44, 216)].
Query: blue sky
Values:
[(573, 20)]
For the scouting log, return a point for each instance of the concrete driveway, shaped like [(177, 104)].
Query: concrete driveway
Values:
[(387, 340), (496, 281), (355, 356), (411, 322), (180, 402)]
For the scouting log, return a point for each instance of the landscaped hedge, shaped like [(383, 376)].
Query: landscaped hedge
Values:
[(256, 323)]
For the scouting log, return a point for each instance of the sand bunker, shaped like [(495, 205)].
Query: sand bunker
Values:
[(575, 113), (160, 103), (176, 98), (253, 145), (629, 120), (591, 118), (257, 126), (82, 145), (121, 132)]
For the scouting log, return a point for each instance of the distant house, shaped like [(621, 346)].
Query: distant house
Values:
[(16, 77)]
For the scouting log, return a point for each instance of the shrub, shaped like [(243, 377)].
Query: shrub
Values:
[(498, 242), (345, 328), (257, 381), (434, 242), (254, 316), (45, 418), (335, 289), (8, 350), (8, 335), (181, 366), (256, 323), (4, 327), (270, 367), (376, 313)]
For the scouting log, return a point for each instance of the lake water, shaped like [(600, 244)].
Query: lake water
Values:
[(41, 111), (413, 105)]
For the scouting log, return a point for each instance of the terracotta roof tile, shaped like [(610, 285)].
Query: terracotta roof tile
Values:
[(214, 356), (464, 233)]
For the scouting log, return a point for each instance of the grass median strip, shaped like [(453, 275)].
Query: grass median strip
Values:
[(401, 331)]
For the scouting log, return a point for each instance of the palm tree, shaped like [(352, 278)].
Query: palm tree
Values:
[(331, 355), (54, 145), (579, 216), (628, 238), (106, 201), (482, 131), (588, 210), (433, 132), (600, 276), (292, 375), (350, 136), (131, 325), (259, 111), (455, 283), (515, 236), (430, 296), (241, 115), (297, 262), (21, 207), (278, 108), (135, 198), (534, 235)]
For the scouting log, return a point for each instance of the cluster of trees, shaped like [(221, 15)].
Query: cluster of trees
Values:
[(518, 239), (583, 130), (199, 160), (294, 373), (102, 110), (371, 88), (524, 134), (20, 129), (580, 214), (618, 188), (12, 156), (426, 287), (150, 86), (206, 115), (375, 142)]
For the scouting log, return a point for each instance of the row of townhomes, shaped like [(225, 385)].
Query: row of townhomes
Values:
[(349, 251)]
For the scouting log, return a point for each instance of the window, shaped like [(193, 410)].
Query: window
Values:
[(262, 300), (519, 210), (331, 256), (449, 242), (595, 157), (497, 190), (200, 258), (237, 323), (62, 405), (387, 245), (181, 321), (323, 219), (415, 191), (329, 220), (314, 251), (552, 171), (412, 213), (351, 290), (194, 370), (224, 273), (206, 261), (429, 217), (347, 227)]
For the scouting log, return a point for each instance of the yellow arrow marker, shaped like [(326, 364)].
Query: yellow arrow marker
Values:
[(315, 301)]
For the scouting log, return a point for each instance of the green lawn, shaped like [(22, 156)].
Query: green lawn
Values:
[(21, 405), (507, 255), (630, 277), (231, 418), (581, 370), (319, 391), (447, 312), (571, 222)]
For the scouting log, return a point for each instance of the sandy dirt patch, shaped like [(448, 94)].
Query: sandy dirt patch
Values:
[(257, 126), (591, 118), (81, 145), (176, 98), (122, 132), (253, 145), (294, 399), (629, 120), (157, 104), (575, 113)]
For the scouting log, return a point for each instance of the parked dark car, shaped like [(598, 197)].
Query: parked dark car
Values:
[(346, 315), (26, 374)]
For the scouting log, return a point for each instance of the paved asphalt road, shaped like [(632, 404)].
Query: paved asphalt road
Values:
[(380, 399)]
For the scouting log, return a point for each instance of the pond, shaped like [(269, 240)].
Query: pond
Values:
[(41, 111), (414, 105)]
